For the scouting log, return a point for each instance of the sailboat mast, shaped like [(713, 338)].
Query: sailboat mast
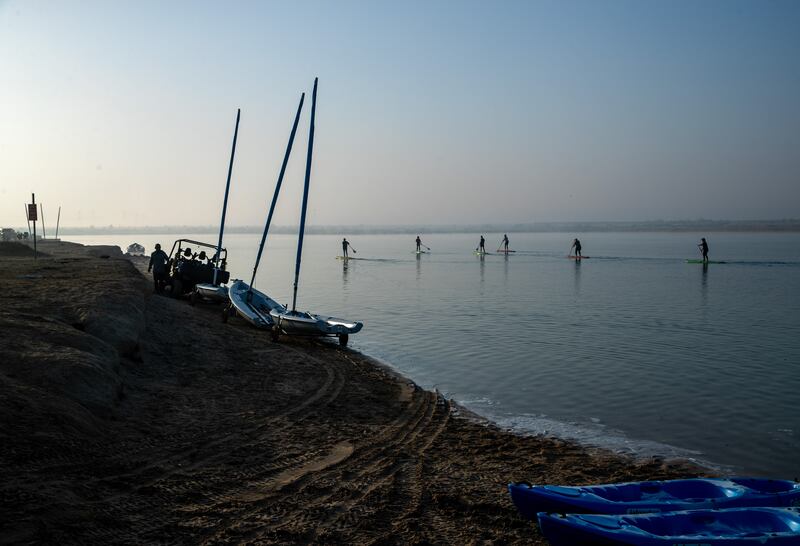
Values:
[(58, 221), (225, 202), (305, 194), (277, 189)]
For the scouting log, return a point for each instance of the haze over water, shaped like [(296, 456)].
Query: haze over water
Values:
[(632, 349)]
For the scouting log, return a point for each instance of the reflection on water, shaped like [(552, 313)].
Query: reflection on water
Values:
[(644, 355)]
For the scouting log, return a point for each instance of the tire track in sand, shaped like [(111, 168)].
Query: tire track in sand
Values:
[(338, 497)]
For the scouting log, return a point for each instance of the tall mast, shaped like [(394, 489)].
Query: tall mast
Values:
[(27, 218), (225, 202), (277, 189), (305, 194)]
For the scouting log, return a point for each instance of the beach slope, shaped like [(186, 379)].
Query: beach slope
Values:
[(135, 418)]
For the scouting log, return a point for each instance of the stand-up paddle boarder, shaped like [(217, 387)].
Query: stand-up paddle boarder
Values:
[(482, 246), (345, 244), (576, 244), (419, 244), (703, 246), (504, 243)]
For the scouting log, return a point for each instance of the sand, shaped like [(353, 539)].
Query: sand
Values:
[(134, 418)]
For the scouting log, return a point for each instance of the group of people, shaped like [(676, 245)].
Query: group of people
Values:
[(159, 259)]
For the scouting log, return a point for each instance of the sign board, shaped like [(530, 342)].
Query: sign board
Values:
[(32, 213)]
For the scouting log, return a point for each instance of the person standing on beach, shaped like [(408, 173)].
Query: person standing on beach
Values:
[(576, 244), (505, 243), (419, 244), (345, 244), (704, 249), (158, 263), (482, 245)]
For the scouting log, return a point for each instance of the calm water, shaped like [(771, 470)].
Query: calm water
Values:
[(632, 349)]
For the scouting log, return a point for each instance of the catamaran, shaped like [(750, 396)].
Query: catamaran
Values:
[(294, 322), (244, 299)]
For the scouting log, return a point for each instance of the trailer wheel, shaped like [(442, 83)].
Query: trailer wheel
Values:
[(274, 334), (343, 338)]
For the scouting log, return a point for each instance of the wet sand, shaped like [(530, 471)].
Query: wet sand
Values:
[(134, 418)]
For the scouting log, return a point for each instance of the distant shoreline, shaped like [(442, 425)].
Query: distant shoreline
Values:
[(664, 226)]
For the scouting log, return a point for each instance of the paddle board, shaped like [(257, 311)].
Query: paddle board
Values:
[(420, 252), (503, 251), (477, 253), (701, 261), (578, 257), (349, 258)]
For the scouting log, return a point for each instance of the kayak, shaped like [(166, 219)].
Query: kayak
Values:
[(730, 527), (701, 261), (252, 305), (300, 323), (654, 496)]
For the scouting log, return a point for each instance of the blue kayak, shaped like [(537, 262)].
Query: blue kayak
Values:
[(731, 527), (654, 496)]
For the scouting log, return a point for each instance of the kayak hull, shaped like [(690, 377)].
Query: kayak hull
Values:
[(253, 306), (730, 527), (654, 496)]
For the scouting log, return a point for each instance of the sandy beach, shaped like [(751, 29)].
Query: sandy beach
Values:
[(134, 418)]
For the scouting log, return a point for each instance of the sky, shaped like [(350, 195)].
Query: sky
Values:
[(430, 112)]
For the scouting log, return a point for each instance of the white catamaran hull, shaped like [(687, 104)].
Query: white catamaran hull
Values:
[(252, 305), (211, 292), (308, 324)]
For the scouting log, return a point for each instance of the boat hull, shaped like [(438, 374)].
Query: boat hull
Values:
[(253, 306), (309, 324), (730, 527), (654, 496), (211, 292)]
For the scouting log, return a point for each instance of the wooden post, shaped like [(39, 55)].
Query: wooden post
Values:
[(33, 202)]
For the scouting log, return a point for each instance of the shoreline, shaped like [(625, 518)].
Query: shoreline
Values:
[(617, 442), (134, 417)]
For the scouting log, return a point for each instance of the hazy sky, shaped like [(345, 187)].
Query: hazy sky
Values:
[(429, 112)]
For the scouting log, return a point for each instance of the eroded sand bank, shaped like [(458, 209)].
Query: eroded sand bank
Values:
[(134, 418)]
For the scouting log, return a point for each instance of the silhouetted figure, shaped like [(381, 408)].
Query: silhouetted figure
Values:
[(576, 244), (158, 263), (345, 244), (419, 244), (482, 245), (505, 242), (704, 249)]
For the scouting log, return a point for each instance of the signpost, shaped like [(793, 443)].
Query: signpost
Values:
[(33, 217)]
